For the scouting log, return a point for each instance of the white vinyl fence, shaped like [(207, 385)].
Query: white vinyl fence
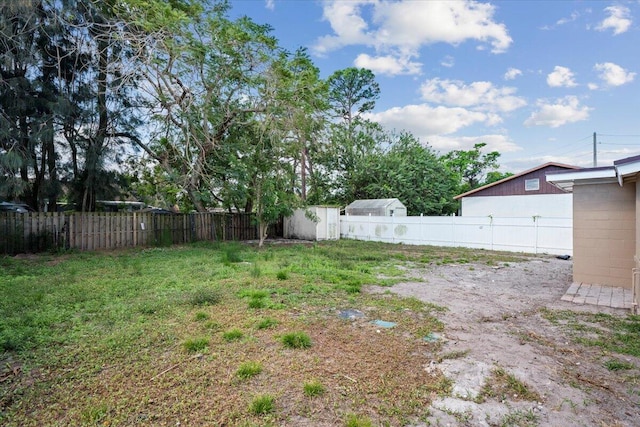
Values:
[(523, 234)]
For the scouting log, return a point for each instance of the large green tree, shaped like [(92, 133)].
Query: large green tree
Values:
[(343, 155), (201, 78), (414, 174), (65, 99), (472, 166)]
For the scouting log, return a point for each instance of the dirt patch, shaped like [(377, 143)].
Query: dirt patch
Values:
[(495, 321)]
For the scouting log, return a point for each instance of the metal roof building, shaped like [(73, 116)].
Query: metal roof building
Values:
[(376, 207)]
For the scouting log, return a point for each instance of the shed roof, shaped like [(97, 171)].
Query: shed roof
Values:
[(518, 175), (373, 203)]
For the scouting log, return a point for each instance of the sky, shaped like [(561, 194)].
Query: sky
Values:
[(532, 79)]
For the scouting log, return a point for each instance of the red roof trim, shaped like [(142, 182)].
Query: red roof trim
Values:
[(518, 175)]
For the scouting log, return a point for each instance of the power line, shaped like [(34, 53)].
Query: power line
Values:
[(565, 146), (621, 135)]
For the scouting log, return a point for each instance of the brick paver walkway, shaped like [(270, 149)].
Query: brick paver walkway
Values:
[(606, 296)]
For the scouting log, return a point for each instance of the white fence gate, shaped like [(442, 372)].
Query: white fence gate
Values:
[(523, 234)]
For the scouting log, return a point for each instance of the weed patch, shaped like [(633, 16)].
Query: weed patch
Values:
[(267, 323), (502, 385), (102, 321), (313, 388), (618, 365), (248, 370), (195, 345), (618, 334), (354, 420), (296, 340), (233, 335), (262, 405), (204, 296)]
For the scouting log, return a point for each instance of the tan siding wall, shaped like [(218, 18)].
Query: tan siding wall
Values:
[(604, 233), (637, 264)]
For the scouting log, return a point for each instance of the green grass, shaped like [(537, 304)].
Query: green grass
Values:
[(267, 323), (201, 316), (195, 345), (354, 420), (296, 340), (503, 385), (233, 335), (248, 370), (618, 365), (313, 388), (88, 331), (263, 404), (614, 333), (204, 297)]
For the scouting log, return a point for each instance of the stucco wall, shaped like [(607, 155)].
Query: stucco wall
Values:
[(545, 205), (604, 233)]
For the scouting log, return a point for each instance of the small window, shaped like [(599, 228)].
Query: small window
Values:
[(531, 184)]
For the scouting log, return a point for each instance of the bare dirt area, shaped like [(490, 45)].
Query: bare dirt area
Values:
[(496, 322)]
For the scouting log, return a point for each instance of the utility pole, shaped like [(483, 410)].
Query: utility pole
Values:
[(595, 152)]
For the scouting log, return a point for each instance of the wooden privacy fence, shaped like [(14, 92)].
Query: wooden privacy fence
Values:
[(40, 231)]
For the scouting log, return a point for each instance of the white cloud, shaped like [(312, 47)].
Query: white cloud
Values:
[(512, 73), (574, 15), (613, 74), (564, 110), (423, 120), (592, 86), (387, 64), (346, 22), (619, 19), (561, 77), (495, 142), (481, 95), (562, 21), (402, 27), (448, 61), (270, 4)]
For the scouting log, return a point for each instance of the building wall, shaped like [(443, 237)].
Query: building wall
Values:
[(300, 226), (516, 186), (545, 205), (604, 233)]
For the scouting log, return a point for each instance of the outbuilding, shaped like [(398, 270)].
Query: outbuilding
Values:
[(377, 207), (313, 223), (525, 194)]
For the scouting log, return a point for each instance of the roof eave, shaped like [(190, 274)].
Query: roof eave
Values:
[(518, 175)]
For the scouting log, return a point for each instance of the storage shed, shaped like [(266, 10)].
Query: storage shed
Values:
[(313, 223), (377, 207)]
